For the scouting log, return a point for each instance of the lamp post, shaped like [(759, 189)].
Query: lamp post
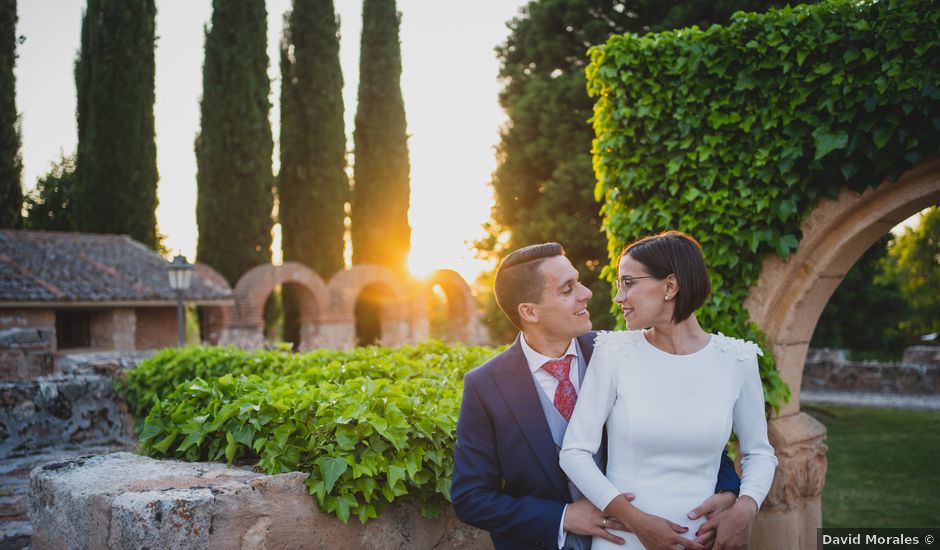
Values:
[(181, 276)]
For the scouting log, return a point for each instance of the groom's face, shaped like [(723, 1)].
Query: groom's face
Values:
[(562, 311)]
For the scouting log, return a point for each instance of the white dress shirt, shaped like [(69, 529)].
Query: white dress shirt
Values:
[(548, 383)]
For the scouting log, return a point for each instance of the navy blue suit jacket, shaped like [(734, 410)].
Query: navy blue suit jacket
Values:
[(506, 475)]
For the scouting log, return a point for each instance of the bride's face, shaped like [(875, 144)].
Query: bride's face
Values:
[(642, 297)]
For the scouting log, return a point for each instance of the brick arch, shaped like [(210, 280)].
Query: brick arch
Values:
[(346, 286), (790, 295), (252, 290), (462, 318)]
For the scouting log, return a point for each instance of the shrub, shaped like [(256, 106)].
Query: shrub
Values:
[(369, 425)]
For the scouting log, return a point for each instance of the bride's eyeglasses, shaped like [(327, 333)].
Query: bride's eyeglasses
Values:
[(625, 282)]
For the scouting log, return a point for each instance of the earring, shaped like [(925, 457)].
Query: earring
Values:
[(668, 297)]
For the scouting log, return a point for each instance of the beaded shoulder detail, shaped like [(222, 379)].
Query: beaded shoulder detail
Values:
[(618, 339), (742, 349)]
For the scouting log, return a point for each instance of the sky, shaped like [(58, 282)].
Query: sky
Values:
[(449, 83)]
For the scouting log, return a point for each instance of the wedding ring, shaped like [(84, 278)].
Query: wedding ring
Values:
[(604, 523)]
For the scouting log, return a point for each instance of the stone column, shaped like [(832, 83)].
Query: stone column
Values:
[(336, 333), (114, 329), (247, 337), (792, 511)]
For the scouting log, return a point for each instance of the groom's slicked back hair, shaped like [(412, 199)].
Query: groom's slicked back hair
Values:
[(519, 279)]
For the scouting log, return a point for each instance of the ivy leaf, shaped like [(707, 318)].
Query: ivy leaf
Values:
[(827, 142), (396, 474), (330, 470)]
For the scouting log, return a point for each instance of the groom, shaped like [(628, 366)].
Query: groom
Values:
[(516, 408)]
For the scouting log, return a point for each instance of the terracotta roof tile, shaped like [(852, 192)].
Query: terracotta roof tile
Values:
[(49, 266)]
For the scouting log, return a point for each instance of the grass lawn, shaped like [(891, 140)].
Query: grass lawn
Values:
[(884, 467)]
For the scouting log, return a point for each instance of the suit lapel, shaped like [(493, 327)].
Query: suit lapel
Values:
[(515, 383), (586, 343)]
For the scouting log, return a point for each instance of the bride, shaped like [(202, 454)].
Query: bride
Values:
[(670, 396)]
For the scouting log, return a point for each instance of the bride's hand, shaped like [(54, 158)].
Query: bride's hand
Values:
[(657, 533)]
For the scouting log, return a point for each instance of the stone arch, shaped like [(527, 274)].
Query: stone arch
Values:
[(786, 303), (246, 323), (345, 287), (462, 318), (791, 294)]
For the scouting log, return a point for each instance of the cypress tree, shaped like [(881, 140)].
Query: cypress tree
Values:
[(312, 184), (11, 166), (116, 182), (233, 149), (380, 230)]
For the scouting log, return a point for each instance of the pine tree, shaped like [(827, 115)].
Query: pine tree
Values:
[(234, 147), (11, 166), (544, 182), (381, 190), (116, 183), (312, 185)]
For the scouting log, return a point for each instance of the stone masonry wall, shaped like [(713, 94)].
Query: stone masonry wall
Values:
[(122, 500), (63, 410), (918, 373)]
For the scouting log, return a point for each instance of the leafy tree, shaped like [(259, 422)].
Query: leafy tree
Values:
[(544, 183), (866, 310), (380, 230), (312, 185), (233, 150), (49, 206), (11, 165), (116, 183), (914, 261)]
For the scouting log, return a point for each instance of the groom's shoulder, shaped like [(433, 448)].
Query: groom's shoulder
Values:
[(498, 361)]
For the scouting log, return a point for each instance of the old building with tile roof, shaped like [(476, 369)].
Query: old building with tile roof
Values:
[(95, 292)]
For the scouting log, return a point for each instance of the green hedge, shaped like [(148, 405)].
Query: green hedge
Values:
[(732, 134), (369, 425)]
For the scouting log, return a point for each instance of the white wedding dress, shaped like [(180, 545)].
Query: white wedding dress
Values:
[(668, 418)]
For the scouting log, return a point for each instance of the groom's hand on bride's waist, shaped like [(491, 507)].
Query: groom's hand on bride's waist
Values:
[(583, 518)]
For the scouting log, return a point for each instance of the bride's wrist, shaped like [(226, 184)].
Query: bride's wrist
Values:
[(747, 504), (631, 515)]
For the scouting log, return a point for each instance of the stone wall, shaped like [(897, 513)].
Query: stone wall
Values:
[(60, 410), (122, 500), (26, 353), (918, 373)]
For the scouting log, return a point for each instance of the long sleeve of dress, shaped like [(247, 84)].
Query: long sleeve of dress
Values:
[(583, 436), (758, 462)]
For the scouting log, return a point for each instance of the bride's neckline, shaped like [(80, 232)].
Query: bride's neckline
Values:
[(646, 334)]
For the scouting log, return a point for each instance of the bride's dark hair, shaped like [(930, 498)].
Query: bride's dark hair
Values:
[(675, 253)]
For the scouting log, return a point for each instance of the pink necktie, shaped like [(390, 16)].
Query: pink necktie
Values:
[(565, 396)]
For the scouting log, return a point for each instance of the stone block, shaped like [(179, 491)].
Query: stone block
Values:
[(922, 355), (26, 353), (27, 337), (172, 504)]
